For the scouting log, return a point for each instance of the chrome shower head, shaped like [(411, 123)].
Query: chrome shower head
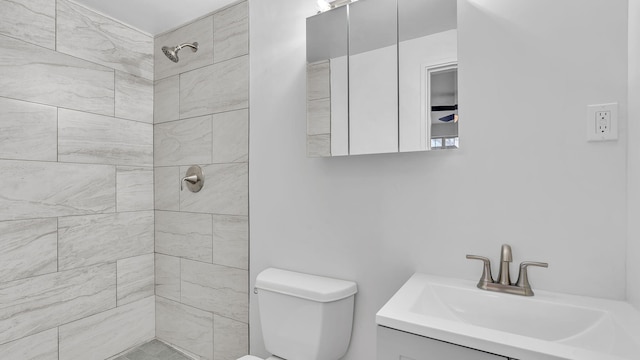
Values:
[(172, 52)]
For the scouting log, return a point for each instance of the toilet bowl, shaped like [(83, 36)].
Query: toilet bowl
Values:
[(304, 316)]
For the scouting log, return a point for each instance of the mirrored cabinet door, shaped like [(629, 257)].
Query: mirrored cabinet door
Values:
[(327, 84), (373, 77), (428, 81)]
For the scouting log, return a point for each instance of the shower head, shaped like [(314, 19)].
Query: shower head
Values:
[(172, 52)]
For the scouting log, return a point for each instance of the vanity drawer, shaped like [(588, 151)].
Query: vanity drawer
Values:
[(398, 345)]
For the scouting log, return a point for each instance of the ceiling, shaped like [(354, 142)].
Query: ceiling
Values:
[(155, 16)]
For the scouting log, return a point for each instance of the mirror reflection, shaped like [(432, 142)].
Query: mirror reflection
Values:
[(327, 84), (428, 90)]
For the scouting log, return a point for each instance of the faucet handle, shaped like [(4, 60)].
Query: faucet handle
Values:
[(523, 277), (486, 277)]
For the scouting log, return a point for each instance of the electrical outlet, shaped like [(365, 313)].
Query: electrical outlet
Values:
[(602, 122)]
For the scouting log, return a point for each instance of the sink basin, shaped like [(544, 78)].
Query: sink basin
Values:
[(545, 326)]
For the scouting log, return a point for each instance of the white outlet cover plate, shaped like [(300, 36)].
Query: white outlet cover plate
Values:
[(592, 123)]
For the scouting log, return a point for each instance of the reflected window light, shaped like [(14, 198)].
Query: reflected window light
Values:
[(323, 5), (326, 5), (450, 142)]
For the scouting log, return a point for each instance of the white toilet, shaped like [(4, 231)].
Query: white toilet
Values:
[(304, 317)]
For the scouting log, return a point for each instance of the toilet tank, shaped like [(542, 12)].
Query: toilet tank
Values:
[(305, 317)]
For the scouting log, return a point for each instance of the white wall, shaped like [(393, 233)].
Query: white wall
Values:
[(633, 253), (525, 174)]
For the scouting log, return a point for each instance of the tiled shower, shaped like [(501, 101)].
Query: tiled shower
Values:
[(99, 249)]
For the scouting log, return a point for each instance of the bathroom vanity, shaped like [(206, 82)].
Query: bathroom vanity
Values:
[(394, 345), (433, 317)]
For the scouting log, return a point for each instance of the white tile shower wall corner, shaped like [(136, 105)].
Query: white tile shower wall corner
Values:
[(96, 195), (185, 327), (201, 117), (134, 97), (186, 235), (370, 220), (106, 334), (633, 158), (136, 278), (200, 31)]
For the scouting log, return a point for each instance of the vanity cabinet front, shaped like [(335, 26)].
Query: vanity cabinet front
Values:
[(398, 345)]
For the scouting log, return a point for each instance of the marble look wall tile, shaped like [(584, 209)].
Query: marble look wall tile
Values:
[(91, 36), (186, 235), (167, 188), (41, 346), (23, 194), (33, 73), (185, 327), (97, 139), (220, 289), (168, 276), (28, 131), (32, 305), (231, 137), (230, 337), (134, 188), (135, 278), (183, 142), (134, 97), (226, 191), (166, 103), (200, 31), (93, 239), (33, 21), (231, 32), (319, 145), (214, 89), (28, 248), (106, 334), (231, 241), (318, 80), (319, 117)]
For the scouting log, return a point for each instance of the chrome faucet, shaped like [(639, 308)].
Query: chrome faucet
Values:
[(504, 284)]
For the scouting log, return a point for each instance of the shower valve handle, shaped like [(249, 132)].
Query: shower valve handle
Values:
[(190, 179), (194, 179)]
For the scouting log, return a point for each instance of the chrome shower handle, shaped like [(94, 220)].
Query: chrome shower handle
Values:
[(190, 179)]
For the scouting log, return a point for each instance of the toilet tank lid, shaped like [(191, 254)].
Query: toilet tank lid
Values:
[(305, 286)]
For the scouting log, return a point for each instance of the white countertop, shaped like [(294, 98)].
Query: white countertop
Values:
[(545, 326)]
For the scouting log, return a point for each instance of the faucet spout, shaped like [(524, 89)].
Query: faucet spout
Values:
[(506, 258)]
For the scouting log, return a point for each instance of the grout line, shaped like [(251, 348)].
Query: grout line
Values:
[(116, 189), (57, 134), (57, 244), (55, 24), (213, 225)]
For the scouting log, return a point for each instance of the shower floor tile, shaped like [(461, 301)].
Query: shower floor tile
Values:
[(153, 350)]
